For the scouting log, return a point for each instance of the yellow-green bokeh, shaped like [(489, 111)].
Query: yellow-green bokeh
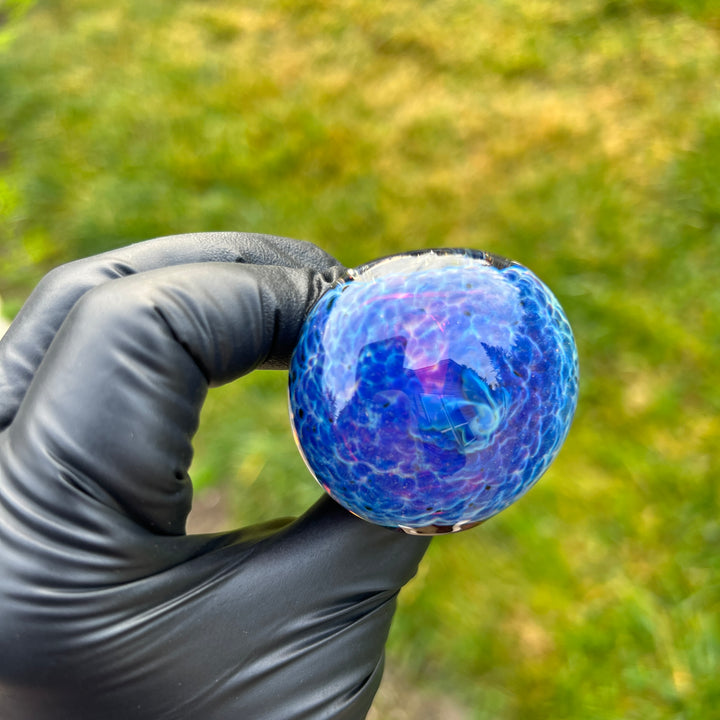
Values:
[(580, 137)]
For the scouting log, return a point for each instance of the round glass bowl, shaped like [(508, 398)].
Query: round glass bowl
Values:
[(430, 390)]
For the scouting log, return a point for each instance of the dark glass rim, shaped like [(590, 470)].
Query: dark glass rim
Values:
[(496, 261), (430, 530)]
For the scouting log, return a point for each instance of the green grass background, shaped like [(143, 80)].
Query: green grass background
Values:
[(580, 137)]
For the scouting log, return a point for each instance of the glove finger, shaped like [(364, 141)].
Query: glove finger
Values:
[(327, 584), (290, 623), (303, 618), (115, 403), (26, 341)]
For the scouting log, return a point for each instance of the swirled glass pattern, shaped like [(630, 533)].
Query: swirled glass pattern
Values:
[(430, 390)]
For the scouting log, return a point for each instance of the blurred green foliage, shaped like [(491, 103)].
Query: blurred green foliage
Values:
[(581, 138)]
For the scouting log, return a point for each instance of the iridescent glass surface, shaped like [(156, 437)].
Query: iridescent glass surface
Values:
[(430, 390)]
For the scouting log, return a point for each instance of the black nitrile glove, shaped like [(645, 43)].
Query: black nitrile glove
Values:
[(108, 611)]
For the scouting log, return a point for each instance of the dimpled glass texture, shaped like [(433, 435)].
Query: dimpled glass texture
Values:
[(430, 390)]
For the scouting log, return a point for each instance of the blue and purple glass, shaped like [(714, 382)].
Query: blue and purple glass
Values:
[(430, 390)]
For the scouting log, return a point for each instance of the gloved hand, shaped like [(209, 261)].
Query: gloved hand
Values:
[(108, 610)]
